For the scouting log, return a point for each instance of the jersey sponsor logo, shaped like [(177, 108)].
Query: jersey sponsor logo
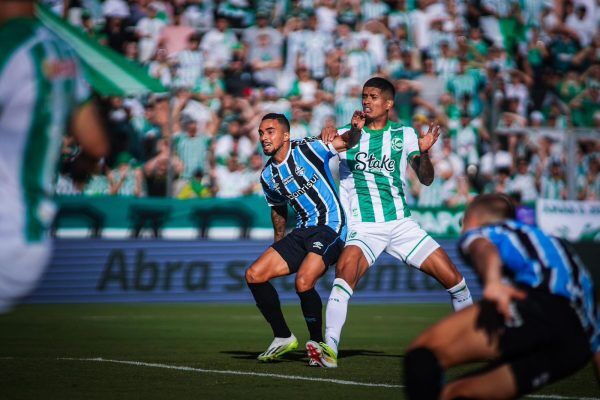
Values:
[(59, 69), (397, 144), (304, 188), (366, 161), (288, 180), (299, 171)]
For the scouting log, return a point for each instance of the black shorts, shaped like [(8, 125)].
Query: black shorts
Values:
[(321, 240), (545, 343)]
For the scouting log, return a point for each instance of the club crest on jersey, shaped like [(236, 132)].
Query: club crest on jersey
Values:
[(299, 171), (366, 161), (397, 143)]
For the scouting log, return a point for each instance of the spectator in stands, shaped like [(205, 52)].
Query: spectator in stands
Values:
[(148, 30), (156, 169), (195, 188), (189, 63), (231, 179), (553, 184), (125, 179), (192, 147), (218, 43), (235, 142)]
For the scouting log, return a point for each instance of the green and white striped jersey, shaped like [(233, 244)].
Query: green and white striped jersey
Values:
[(372, 173), (40, 85)]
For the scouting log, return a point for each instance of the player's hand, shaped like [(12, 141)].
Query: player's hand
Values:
[(502, 295), (358, 119), (426, 140), (328, 134)]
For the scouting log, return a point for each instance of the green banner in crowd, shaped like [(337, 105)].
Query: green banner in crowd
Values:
[(119, 217)]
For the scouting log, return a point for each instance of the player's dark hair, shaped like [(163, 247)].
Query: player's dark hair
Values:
[(382, 84), (498, 205), (283, 121)]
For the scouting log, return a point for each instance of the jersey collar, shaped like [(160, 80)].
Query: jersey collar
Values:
[(375, 131), (286, 157)]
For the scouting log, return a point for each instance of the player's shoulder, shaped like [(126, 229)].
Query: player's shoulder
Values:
[(344, 128), (14, 34)]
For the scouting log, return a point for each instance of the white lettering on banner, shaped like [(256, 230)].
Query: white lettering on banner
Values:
[(572, 220), (443, 223)]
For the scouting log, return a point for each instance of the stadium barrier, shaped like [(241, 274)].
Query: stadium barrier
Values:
[(100, 271), (244, 217)]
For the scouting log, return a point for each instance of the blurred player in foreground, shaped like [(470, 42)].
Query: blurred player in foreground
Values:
[(372, 181), (298, 174), (41, 94), (537, 323)]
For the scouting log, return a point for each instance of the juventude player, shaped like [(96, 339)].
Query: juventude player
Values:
[(372, 176), (298, 174), (40, 91)]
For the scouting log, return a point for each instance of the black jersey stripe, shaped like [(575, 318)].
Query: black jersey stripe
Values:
[(313, 195), (309, 153), (300, 213)]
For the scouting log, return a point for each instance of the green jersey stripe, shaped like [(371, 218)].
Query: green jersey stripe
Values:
[(383, 184), (13, 35), (362, 189), (34, 160)]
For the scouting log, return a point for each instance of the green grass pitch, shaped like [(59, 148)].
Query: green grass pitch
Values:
[(35, 339)]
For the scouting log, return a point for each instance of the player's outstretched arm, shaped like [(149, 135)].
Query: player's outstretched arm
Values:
[(89, 131), (422, 163), (348, 139), (279, 218), (488, 264)]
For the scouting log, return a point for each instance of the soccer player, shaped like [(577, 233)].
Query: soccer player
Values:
[(40, 88), (298, 174), (536, 324), (372, 175)]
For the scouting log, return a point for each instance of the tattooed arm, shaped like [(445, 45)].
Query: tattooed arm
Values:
[(422, 163), (279, 219)]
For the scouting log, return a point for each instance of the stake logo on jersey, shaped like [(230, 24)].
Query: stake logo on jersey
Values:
[(372, 173), (304, 181)]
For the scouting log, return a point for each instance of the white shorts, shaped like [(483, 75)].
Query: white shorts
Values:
[(21, 267), (403, 239)]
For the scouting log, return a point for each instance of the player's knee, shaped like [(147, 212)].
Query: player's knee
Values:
[(422, 374), (304, 282), (253, 276)]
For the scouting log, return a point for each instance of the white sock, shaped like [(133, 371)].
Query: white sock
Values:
[(335, 314), (461, 296)]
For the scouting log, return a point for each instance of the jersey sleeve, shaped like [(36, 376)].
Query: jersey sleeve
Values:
[(325, 151), (411, 143), (273, 198)]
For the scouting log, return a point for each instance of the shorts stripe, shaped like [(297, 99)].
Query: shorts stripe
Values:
[(420, 241), (372, 254)]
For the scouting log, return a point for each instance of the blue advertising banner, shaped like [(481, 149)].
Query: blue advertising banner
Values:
[(100, 271)]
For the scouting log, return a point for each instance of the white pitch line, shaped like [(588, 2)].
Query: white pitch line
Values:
[(289, 377), (231, 372)]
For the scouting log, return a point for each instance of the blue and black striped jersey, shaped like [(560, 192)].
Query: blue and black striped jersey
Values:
[(534, 259), (304, 181)]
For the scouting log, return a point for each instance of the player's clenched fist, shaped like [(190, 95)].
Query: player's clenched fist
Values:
[(328, 134), (358, 119)]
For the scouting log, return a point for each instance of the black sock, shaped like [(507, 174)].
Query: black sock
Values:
[(267, 301), (423, 375), (312, 308)]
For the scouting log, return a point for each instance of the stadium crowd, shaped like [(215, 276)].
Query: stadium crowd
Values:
[(505, 79)]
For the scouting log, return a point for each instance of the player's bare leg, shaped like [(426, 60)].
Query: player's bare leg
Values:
[(497, 384), (452, 341), (268, 266), (439, 265), (311, 269), (351, 266)]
